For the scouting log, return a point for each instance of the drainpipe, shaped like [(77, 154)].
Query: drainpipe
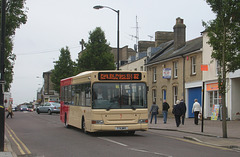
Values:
[(183, 78)]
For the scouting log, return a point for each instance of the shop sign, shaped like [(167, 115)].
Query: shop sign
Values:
[(212, 86), (204, 67)]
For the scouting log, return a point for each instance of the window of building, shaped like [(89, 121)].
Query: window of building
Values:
[(155, 74), (214, 98), (175, 69), (175, 94), (218, 68), (154, 94), (164, 94), (193, 60)]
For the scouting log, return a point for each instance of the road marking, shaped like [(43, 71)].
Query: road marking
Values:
[(145, 151), (203, 144), (18, 145), (106, 139), (134, 149), (194, 142), (15, 139)]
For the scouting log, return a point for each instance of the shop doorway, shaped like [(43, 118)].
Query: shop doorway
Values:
[(194, 93)]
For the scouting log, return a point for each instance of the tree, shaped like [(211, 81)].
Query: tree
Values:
[(63, 68), (224, 38), (15, 17), (97, 55)]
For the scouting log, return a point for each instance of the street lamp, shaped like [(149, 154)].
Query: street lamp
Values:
[(117, 11), (2, 81)]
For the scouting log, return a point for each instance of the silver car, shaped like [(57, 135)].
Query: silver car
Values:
[(49, 107)]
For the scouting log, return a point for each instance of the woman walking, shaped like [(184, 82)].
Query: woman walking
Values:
[(10, 111), (196, 109)]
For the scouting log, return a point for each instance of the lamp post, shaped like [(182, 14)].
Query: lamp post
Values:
[(117, 11), (2, 108)]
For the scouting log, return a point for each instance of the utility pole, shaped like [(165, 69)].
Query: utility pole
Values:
[(2, 108), (136, 36)]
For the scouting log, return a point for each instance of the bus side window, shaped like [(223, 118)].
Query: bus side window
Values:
[(82, 95), (62, 93), (69, 95), (65, 94), (77, 95), (73, 95), (88, 94)]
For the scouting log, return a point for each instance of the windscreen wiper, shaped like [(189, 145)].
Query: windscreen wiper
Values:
[(133, 107)]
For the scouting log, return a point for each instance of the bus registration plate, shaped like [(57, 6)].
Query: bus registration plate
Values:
[(121, 128)]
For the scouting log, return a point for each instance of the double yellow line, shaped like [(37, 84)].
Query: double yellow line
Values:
[(21, 146)]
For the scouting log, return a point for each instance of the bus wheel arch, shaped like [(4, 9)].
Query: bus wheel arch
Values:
[(65, 121), (83, 125)]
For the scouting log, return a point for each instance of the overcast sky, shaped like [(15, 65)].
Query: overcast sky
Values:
[(54, 24)]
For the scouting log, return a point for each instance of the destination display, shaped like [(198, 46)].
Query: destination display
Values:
[(119, 76)]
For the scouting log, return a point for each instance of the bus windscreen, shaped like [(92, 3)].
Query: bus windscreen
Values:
[(119, 96)]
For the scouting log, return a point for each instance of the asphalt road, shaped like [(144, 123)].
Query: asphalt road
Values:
[(44, 135)]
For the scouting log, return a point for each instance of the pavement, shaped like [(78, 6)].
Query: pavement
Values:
[(212, 133)]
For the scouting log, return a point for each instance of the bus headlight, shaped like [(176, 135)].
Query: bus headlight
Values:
[(143, 121), (97, 121)]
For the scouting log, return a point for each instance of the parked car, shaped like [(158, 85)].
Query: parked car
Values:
[(23, 108), (49, 107), (30, 108)]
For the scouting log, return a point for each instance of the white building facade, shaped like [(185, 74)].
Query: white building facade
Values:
[(210, 78)]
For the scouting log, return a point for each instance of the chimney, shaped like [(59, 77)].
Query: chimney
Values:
[(179, 34)]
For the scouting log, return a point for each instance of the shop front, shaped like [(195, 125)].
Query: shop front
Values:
[(213, 97)]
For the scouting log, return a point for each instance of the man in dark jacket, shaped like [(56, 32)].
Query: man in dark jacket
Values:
[(177, 111), (183, 108), (165, 108), (154, 111)]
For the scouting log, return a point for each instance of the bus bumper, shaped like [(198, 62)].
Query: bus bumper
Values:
[(133, 127)]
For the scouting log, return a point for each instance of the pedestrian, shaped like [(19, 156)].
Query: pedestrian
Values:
[(177, 112), (165, 107), (154, 112), (10, 111), (196, 109), (183, 108)]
